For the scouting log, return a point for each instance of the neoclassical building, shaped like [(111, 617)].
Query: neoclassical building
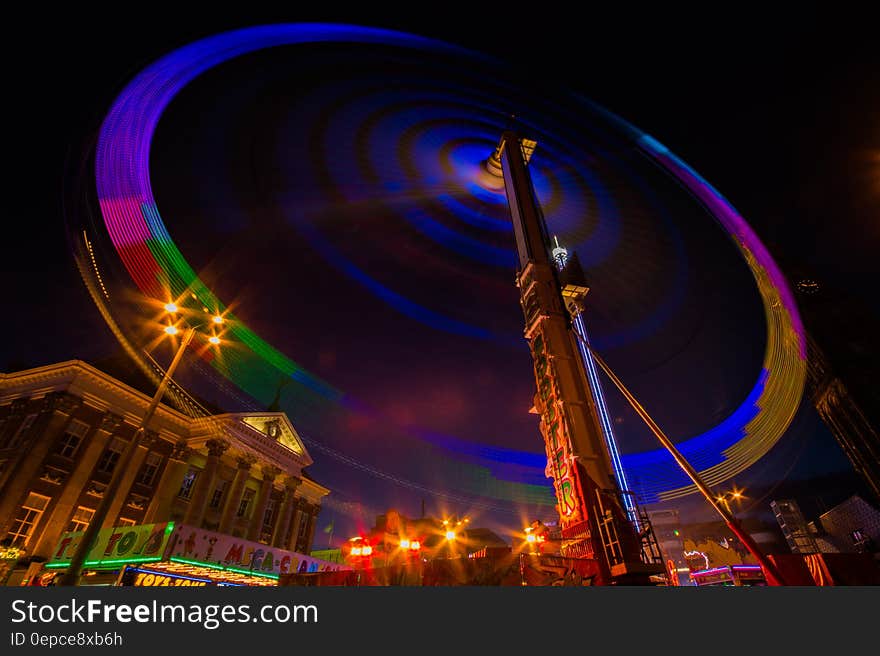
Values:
[(64, 426)]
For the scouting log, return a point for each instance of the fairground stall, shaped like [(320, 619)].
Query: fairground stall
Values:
[(169, 554)]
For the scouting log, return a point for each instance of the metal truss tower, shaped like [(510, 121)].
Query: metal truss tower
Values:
[(598, 518)]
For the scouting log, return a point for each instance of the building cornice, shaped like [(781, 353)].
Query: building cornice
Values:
[(106, 394), (312, 491), (94, 387)]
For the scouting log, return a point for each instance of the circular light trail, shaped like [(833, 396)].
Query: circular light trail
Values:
[(160, 270)]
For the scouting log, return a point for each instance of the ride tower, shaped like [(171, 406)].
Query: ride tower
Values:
[(598, 518)]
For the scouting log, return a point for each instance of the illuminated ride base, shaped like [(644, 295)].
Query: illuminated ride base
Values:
[(598, 519)]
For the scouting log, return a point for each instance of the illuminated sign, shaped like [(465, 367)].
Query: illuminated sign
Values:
[(8, 560), (560, 464), (189, 544), (693, 564), (115, 546), (144, 578), (730, 575), (720, 576)]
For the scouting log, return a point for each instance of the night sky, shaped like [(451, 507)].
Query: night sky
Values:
[(776, 111)]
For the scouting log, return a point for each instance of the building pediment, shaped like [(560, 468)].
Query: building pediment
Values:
[(265, 434), (277, 426)]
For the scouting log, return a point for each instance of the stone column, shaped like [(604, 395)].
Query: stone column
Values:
[(56, 415), (149, 440), (17, 411), (91, 449), (256, 524), (205, 483), (310, 531), (236, 491), (305, 525), (282, 525), (159, 509), (298, 518)]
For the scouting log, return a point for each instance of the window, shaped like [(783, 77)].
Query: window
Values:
[(70, 441), (124, 521), (186, 486), (245, 502), (111, 456), (22, 430), (217, 495), (269, 515), (268, 521), (151, 466), (80, 520), (26, 519), (300, 544)]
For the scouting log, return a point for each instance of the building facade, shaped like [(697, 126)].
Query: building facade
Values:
[(667, 529), (854, 526), (64, 426), (794, 527), (844, 418)]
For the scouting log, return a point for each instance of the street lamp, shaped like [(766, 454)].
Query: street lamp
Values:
[(531, 539), (74, 571), (727, 496), (360, 552)]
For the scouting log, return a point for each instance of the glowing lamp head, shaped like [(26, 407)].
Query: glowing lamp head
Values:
[(450, 535), (415, 545), (404, 543), (170, 307), (214, 339), (531, 537), (217, 318), (356, 551), (170, 330), (367, 550)]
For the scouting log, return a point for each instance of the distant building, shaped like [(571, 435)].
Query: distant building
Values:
[(64, 426), (667, 529), (794, 527), (842, 363), (394, 536), (713, 544), (480, 542), (854, 526)]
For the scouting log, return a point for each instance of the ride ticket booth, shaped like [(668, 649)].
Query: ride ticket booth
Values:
[(177, 555)]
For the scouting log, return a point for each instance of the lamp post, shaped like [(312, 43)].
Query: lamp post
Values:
[(727, 496), (452, 532), (74, 571)]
